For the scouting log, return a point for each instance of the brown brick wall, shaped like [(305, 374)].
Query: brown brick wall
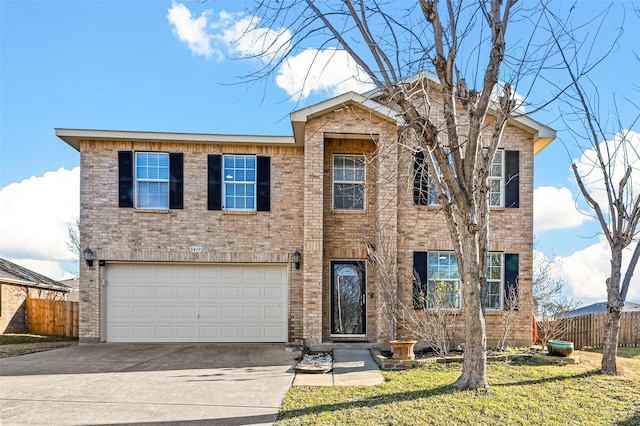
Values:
[(127, 234), (301, 218)]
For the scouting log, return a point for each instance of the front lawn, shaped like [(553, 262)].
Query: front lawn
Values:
[(521, 394), (632, 352)]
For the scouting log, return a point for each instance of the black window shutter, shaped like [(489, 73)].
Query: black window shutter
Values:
[(263, 184), (175, 181), (512, 178), (511, 266), (214, 182), (420, 180), (419, 279), (125, 178)]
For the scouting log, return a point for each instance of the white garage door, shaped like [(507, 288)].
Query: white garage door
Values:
[(196, 303)]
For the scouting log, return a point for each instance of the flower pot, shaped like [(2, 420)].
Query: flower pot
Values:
[(403, 349), (560, 348)]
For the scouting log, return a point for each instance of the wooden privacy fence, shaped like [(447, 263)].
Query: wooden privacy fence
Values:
[(588, 330), (54, 317)]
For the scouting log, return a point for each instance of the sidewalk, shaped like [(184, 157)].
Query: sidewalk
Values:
[(351, 367)]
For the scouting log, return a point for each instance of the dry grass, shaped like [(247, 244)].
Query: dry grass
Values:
[(522, 393), (22, 344)]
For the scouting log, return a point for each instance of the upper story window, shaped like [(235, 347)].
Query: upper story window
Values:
[(496, 180), (239, 177), (504, 189), (348, 182), (152, 180)]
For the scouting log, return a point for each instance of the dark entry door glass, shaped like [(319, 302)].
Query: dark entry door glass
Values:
[(348, 298)]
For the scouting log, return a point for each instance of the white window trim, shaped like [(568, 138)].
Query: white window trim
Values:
[(136, 191), (500, 285), (459, 281), (500, 179), (431, 187), (354, 182), (225, 183)]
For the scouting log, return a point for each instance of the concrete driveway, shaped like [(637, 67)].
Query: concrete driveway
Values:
[(149, 384)]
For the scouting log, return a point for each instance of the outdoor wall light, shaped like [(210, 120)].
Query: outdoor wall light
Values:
[(88, 257), (296, 259)]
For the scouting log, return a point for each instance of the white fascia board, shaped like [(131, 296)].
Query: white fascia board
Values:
[(539, 130), (74, 136)]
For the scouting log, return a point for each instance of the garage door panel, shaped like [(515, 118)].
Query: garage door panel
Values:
[(187, 292), (141, 292), (252, 312), (208, 293), (142, 271), (251, 293), (230, 293), (187, 313), (164, 292), (224, 303), (273, 293), (143, 312), (208, 312), (274, 313)]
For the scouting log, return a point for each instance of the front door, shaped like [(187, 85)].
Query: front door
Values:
[(348, 298)]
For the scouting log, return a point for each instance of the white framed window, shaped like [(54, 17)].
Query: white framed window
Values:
[(239, 182), (496, 180), (493, 298), (152, 180), (437, 282), (427, 194), (349, 176), (443, 283)]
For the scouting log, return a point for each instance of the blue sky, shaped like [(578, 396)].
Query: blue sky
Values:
[(124, 65)]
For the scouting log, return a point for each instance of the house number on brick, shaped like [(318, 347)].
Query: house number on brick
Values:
[(195, 249)]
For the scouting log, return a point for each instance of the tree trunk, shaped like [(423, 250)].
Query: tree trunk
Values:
[(474, 366), (610, 343)]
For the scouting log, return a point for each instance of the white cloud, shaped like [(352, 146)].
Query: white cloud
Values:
[(624, 149), (555, 208), (48, 268), (329, 70), (246, 38), (192, 31), (585, 272), (237, 35), (35, 213)]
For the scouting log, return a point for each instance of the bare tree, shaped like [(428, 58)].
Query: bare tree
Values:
[(511, 307), (434, 320), (73, 242), (549, 302), (606, 180), (455, 119)]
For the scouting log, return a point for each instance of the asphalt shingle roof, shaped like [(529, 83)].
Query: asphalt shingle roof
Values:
[(601, 307), (16, 274)]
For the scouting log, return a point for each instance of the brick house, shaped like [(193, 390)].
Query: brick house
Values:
[(16, 285), (233, 238)]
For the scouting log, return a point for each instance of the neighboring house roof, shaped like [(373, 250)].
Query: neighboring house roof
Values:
[(542, 135), (601, 307), (74, 289), (16, 274)]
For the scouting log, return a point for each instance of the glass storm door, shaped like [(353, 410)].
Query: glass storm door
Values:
[(348, 298)]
